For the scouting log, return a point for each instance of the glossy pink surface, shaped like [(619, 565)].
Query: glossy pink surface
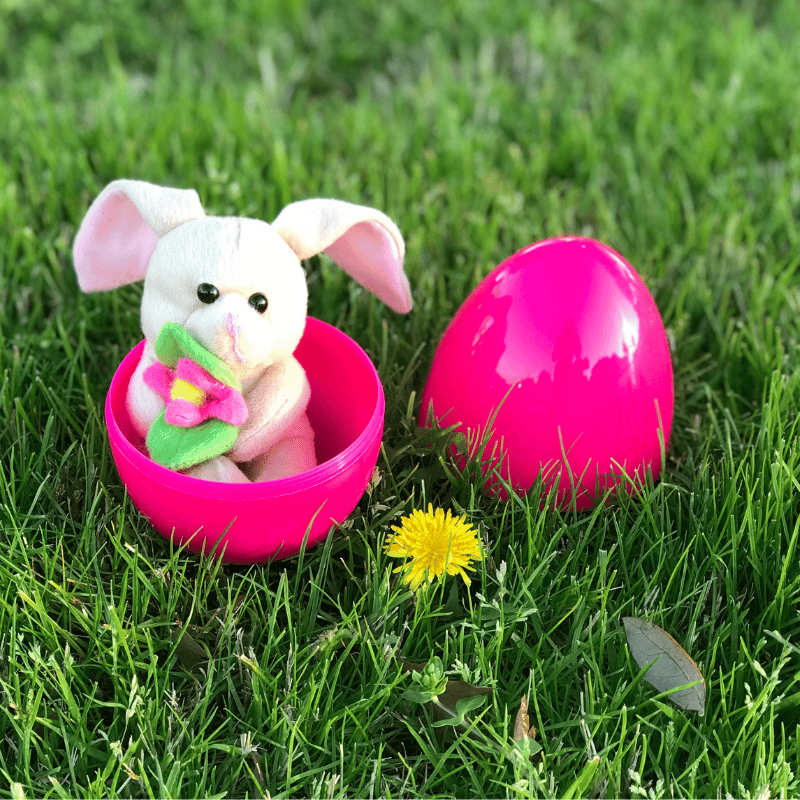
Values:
[(567, 330), (247, 523)]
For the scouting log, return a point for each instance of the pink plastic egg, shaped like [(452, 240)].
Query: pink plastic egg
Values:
[(252, 522), (564, 345)]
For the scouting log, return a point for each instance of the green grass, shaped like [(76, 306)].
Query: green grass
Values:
[(668, 130)]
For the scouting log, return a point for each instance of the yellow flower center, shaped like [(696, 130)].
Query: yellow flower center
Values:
[(183, 390)]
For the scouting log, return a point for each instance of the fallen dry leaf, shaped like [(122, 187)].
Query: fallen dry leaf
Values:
[(445, 707), (671, 664), (188, 651), (522, 725)]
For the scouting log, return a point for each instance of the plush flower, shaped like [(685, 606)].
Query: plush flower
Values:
[(194, 395), (204, 401), (433, 543)]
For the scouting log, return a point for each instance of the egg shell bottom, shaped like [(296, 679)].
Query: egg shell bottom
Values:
[(255, 522)]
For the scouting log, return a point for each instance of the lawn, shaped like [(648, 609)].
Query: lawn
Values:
[(669, 130)]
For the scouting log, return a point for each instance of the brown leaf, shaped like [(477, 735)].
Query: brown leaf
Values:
[(522, 725), (410, 666), (672, 667), (458, 690), (190, 654), (455, 691)]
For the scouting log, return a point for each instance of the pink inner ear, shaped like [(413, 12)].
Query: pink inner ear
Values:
[(114, 244), (370, 255)]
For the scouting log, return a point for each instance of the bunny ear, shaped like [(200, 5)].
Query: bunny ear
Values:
[(122, 227), (364, 242)]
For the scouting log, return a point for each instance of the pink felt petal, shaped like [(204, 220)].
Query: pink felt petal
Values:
[(225, 403), (230, 408), (114, 244), (182, 413), (238, 412), (159, 378), (193, 373)]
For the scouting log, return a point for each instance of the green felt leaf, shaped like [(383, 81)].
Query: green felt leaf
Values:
[(175, 447), (174, 343)]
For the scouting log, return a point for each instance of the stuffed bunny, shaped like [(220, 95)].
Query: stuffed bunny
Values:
[(237, 288)]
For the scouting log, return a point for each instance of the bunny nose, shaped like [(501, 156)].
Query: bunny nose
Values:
[(233, 328), (231, 325)]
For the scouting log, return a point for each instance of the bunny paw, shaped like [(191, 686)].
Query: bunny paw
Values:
[(218, 469)]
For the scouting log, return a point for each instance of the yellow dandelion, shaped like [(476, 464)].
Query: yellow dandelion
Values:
[(434, 543)]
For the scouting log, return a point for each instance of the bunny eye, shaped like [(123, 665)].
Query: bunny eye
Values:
[(207, 292), (258, 302)]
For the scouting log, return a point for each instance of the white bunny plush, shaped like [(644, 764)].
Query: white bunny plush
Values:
[(237, 288)]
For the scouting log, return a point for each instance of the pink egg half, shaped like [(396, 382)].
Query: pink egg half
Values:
[(246, 523), (564, 345)]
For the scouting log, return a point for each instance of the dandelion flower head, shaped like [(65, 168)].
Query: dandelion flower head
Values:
[(433, 543)]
